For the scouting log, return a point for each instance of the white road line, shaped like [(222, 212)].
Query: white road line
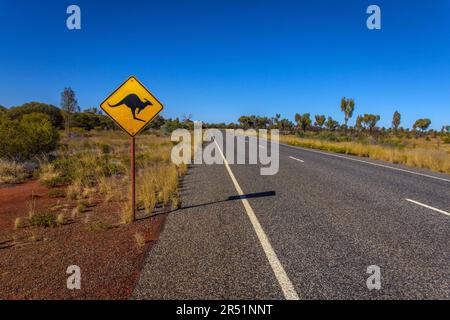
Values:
[(296, 159), (367, 162), (429, 207), (281, 275)]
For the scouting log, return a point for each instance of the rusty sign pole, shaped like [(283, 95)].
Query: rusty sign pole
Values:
[(133, 179)]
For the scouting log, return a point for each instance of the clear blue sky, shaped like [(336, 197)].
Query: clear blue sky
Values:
[(219, 59)]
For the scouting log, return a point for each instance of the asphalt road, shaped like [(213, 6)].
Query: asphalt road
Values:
[(308, 232)]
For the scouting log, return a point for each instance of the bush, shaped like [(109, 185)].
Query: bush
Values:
[(54, 113), (12, 172), (85, 120), (43, 220), (89, 121), (28, 137)]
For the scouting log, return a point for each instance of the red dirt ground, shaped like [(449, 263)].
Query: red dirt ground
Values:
[(34, 260)]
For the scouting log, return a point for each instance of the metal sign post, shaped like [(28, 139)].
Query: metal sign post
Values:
[(133, 178)]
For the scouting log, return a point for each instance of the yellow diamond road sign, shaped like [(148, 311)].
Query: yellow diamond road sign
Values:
[(132, 106)]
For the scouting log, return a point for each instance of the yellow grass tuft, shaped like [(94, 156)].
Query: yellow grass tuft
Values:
[(140, 240), (60, 219), (18, 223), (126, 215)]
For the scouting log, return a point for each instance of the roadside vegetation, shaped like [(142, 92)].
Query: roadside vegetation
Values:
[(419, 146), (84, 161), (65, 195), (69, 147)]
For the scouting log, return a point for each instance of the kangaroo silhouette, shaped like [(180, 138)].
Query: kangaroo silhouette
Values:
[(134, 103)]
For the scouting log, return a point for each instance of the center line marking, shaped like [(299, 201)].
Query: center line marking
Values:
[(429, 207), (281, 275), (296, 159)]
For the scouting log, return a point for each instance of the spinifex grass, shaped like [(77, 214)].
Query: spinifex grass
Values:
[(420, 155), (97, 167)]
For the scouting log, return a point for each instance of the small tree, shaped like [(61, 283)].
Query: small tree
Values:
[(347, 106), (276, 120), (70, 105), (331, 124), (286, 125), (262, 122), (422, 124), (396, 121), (370, 120), (306, 121), (359, 121), (445, 129), (298, 119), (320, 120), (244, 122)]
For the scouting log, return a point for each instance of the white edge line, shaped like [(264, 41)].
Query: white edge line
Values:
[(429, 207), (372, 163), (281, 275), (293, 158)]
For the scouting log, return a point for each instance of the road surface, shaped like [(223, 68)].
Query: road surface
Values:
[(308, 232)]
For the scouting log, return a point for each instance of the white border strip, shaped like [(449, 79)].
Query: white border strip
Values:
[(429, 207), (293, 158), (281, 275)]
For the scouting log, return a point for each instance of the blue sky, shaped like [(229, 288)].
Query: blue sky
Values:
[(220, 59)]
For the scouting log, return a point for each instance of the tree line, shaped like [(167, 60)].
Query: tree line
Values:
[(32, 128), (305, 122)]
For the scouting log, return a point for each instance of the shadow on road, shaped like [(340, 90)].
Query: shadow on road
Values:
[(232, 198)]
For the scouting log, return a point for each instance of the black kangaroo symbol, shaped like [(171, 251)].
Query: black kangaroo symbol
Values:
[(133, 102)]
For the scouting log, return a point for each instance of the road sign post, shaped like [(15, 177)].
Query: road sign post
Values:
[(133, 178), (132, 107)]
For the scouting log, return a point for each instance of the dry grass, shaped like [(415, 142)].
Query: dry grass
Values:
[(81, 207), (140, 240), (12, 172), (74, 190), (60, 219), (96, 168), (31, 206), (18, 223), (419, 155), (126, 214), (49, 176)]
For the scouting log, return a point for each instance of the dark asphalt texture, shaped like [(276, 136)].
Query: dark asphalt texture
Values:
[(327, 219)]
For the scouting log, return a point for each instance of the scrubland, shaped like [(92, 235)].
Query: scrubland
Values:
[(424, 153)]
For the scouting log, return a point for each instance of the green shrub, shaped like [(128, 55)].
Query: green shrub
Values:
[(54, 113), (28, 137), (43, 220), (85, 120), (89, 120)]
